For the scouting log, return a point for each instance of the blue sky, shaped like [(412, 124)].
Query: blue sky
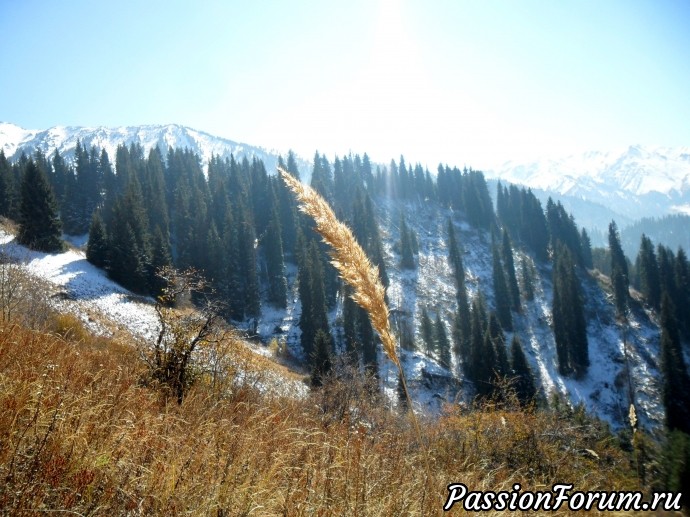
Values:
[(465, 83)]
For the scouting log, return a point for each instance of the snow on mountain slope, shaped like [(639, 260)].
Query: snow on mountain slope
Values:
[(636, 182), (603, 390), (79, 288), (15, 140)]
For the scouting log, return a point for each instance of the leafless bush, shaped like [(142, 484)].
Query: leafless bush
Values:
[(23, 297), (186, 333)]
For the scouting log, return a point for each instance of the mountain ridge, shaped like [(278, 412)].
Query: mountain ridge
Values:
[(635, 182), (14, 140)]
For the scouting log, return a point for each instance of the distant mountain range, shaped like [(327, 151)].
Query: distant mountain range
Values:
[(14, 140), (635, 182)]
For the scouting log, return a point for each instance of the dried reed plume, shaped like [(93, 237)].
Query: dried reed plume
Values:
[(356, 269), (350, 260)]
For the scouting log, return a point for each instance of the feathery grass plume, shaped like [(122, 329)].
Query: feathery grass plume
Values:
[(350, 260), (356, 269)]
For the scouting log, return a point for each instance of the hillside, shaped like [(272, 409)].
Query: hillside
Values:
[(80, 433), (255, 411), (104, 307)]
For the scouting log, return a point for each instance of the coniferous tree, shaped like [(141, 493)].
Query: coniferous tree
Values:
[(472, 355), (442, 341), (160, 258), (619, 270), (501, 293), (527, 274), (288, 209), (501, 365), (509, 266), (461, 327), (675, 375), (154, 191), (350, 326), (129, 241), (368, 342), (681, 273), (275, 264), (7, 188), (232, 285), (39, 223), (321, 360), (248, 269), (525, 388), (586, 246), (406, 246), (97, 249), (485, 367), (313, 317), (562, 228), (427, 331), (648, 273), (570, 329), (402, 396)]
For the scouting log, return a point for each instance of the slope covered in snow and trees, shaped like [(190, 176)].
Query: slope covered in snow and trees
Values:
[(472, 289)]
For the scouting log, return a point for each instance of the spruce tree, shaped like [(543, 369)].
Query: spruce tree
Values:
[(427, 332), (619, 270), (570, 328), (509, 266), (501, 293), (97, 248), (7, 188), (406, 246), (461, 327), (442, 341), (485, 367), (586, 246), (525, 389), (648, 272), (160, 258), (675, 375), (501, 367), (321, 360), (129, 241), (527, 274), (275, 264), (350, 325), (39, 223), (681, 273), (472, 355)]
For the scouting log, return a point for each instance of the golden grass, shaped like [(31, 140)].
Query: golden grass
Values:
[(349, 259), (79, 433)]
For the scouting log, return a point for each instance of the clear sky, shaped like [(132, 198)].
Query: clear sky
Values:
[(459, 82)]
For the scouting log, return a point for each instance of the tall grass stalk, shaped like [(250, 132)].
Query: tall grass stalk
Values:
[(355, 268)]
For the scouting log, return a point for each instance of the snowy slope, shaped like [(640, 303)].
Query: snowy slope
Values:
[(78, 287), (636, 181), (15, 140), (603, 390)]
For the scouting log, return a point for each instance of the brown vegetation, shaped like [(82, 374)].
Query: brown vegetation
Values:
[(80, 433)]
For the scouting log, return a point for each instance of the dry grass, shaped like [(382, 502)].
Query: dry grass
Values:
[(350, 260), (79, 433)]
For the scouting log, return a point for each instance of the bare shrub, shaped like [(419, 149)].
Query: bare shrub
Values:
[(23, 297), (184, 331)]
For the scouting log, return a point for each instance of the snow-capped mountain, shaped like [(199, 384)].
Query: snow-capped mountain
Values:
[(634, 182), (14, 140)]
